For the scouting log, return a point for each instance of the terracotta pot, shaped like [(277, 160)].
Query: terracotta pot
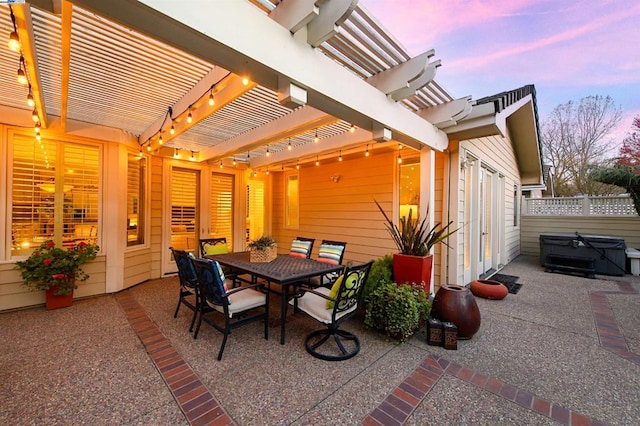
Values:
[(413, 269), (489, 289), (55, 301), (456, 304)]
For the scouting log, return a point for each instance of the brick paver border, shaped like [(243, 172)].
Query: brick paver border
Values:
[(194, 399), (405, 398)]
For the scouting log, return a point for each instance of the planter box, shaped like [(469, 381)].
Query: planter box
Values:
[(413, 269), (58, 301), (263, 256)]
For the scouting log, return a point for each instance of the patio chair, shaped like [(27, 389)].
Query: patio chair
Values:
[(330, 252), (213, 246), (332, 307), (302, 247), (236, 305), (188, 278)]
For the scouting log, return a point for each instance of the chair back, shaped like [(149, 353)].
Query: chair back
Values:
[(186, 272), (302, 247), (210, 281), (331, 252), (351, 286), (210, 246)]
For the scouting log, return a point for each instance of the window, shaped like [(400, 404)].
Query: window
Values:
[(222, 207), (55, 191), (255, 209), (410, 188), (136, 174), (184, 204), (292, 202)]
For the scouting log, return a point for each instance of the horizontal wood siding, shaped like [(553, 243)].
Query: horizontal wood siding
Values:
[(342, 211), (156, 217), (137, 267), (623, 227)]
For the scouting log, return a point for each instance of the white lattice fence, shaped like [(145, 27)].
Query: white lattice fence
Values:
[(579, 206)]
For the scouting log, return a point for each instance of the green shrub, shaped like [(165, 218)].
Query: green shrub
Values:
[(396, 310), (381, 272)]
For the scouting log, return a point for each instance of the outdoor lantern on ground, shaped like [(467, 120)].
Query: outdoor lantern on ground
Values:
[(434, 332), (450, 338)]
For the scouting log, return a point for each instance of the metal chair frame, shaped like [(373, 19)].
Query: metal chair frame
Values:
[(188, 283)]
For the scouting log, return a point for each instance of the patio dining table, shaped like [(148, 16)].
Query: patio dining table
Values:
[(284, 270)]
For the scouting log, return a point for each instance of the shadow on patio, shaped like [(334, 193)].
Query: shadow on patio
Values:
[(564, 349)]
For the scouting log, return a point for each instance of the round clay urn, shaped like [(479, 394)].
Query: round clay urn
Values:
[(489, 289), (456, 304)]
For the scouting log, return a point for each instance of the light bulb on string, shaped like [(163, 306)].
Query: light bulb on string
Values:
[(340, 157), (352, 129), (234, 161), (298, 164), (36, 128), (267, 172), (221, 166), (22, 76), (211, 100), (14, 41), (34, 116), (317, 161), (255, 173), (172, 131), (366, 154), (399, 158), (189, 117), (176, 153), (268, 153), (315, 138), (160, 140), (289, 147), (193, 157), (282, 167), (38, 137), (140, 151), (30, 101), (149, 147), (245, 81)]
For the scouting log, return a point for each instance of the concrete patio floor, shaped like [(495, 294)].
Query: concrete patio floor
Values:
[(565, 349)]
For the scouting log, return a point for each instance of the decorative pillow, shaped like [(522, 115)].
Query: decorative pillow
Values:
[(330, 254), (334, 292), (300, 248), (211, 249), (221, 274)]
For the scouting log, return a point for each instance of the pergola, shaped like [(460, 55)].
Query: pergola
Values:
[(224, 81)]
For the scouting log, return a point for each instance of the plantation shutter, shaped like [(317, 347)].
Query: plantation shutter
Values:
[(222, 207)]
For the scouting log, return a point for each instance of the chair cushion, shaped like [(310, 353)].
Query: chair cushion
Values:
[(316, 306), (300, 248), (242, 301), (211, 249), (330, 254), (333, 293)]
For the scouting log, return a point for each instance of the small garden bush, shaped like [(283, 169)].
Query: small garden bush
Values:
[(397, 310), (381, 272)]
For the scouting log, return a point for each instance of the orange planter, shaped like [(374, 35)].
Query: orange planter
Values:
[(55, 301), (413, 269), (489, 289)]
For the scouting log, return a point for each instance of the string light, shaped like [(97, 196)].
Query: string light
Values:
[(317, 161), (189, 117), (30, 101), (399, 158), (34, 116), (37, 127), (160, 140), (22, 76), (234, 161), (366, 154), (149, 147), (255, 173), (193, 157), (289, 147), (316, 139), (298, 165), (340, 157), (14, 40), (172, 131), (282, 167), (268, 153), (140, 151), (211, 100), (221, 166), (352, 129), (38, 137), (176, 153), (267, 172), (245, 81)]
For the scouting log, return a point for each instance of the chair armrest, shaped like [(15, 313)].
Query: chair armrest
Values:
[(237, 289), (304, 290)]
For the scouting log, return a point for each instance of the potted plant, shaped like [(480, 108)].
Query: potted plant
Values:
[(414, 240), (263, 249), (56, 270)]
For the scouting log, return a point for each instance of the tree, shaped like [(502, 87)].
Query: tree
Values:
[(573, 141), (626, 173)]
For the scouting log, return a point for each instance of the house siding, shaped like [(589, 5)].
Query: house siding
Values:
[(342, 211)]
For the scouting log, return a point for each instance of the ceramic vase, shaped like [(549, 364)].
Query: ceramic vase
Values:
[(458, 305)]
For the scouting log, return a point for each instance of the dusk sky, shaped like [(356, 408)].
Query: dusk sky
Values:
[(569, 49)]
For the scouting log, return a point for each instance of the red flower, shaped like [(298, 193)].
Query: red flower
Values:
[(51, 244), (58, 276), (82, 244), (47, 262)]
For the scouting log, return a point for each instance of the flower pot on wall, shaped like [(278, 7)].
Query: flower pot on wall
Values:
[(413, 269), (55, 301)]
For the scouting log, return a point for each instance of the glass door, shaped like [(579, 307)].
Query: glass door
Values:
[(184, 209)]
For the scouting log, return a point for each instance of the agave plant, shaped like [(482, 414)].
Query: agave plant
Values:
[(414, 237)]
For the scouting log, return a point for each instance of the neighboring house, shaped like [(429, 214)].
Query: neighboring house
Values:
[(131, 153)]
